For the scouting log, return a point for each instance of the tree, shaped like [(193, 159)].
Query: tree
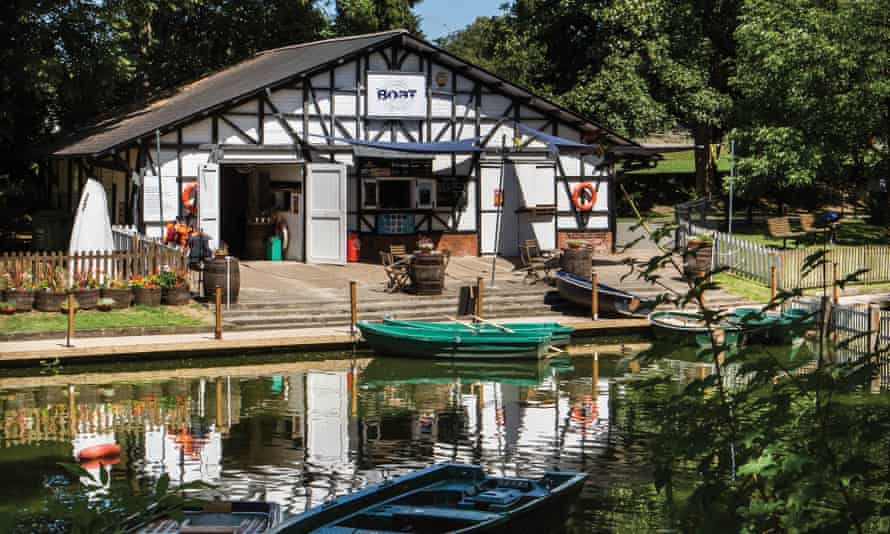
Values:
[(367, 16), (813, 81)]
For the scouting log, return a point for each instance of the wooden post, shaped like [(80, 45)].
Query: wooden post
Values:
[(773, 282), (480, 291), (70, 319), (874, 327), (594, 296), (353, 306), (218, 332), (836, 294)]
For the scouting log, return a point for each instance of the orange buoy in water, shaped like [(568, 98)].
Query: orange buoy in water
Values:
[(99, 451)]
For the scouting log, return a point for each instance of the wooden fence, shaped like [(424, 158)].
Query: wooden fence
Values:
[(135, 255)]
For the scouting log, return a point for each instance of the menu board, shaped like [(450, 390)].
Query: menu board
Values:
[(407, 168), (151, 204), (450, 191)]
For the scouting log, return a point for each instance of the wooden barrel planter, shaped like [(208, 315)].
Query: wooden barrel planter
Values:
[(428, 274), (87, 298), (49, 301), (23, 299), (698, 265), (144, 296), (175, 296), (215, 276), (577, 261), (121, 297)]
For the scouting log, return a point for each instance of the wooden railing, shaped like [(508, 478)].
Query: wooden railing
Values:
[(134, 255)]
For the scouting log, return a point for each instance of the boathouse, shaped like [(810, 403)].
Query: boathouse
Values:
[(384, 136)]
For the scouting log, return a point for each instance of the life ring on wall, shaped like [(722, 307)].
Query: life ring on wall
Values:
[(581, 201), (190, 198), (282, 231)]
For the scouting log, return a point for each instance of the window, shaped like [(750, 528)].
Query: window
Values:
[(369, 194), (395, 194)]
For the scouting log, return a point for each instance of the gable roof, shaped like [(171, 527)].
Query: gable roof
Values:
[(267, 69)]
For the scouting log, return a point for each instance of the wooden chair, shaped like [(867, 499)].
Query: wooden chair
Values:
[(533, 261), (397, 277), (780, 228), (398, 251)]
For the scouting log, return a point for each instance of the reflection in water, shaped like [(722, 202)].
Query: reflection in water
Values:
[(301, 433)]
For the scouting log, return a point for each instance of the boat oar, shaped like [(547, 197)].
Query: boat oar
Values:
[(556, 349), (471, 326), (498, 326)]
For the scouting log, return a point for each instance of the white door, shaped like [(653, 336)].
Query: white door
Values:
[(326, 213), (208, 201)]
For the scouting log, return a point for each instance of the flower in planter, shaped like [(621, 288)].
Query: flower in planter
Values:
[(20, 281), (574, 243), (137, 282), (85, 280), (52, 280), (116, 284)]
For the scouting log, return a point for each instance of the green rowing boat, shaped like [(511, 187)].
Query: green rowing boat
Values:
[(390, 340), (559, 335)]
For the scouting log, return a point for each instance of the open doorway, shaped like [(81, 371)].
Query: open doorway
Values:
[(233, 208)]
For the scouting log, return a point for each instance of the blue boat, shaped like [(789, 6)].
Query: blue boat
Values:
[(445, 498), (577, 290)]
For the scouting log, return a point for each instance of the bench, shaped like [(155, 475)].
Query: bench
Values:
[(780, 228)]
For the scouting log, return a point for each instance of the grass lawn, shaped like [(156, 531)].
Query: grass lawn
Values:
[(853, 232), (741, 287), (683, 162), (138, 316)]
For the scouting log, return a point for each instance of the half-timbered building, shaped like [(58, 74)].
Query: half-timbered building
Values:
[(349, 135)]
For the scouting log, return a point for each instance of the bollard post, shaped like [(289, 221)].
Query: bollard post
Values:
[(594, 297), (773, 282), (836, 291), (480, 290), (874, 326), (218, 331), (70, 320), (353, 306)]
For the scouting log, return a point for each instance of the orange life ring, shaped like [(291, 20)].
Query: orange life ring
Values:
[(584, 202), (99, 451), (190, 198)]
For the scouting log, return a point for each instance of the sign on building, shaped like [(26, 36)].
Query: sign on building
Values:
[(396, 95)]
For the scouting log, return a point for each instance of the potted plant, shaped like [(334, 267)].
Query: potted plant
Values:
[(64, 306), (174, 288), (20, 291), (146, 291), (119, 292), (699, 255), (7, 308), (425, 245), (577, 258), (86, 290), (51, 290), (105, 304)]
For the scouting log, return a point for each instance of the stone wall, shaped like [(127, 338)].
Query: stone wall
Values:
[(464, 244)]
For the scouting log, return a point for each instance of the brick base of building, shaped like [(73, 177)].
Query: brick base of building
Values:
[(457, 244), (600, 241)]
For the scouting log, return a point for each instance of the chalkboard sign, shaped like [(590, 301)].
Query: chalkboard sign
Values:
[(450, 191)]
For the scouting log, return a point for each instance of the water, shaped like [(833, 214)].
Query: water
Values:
[(300, 432)]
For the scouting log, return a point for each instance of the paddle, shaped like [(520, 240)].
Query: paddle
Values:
[(498, 326), (556, 349), (471, 326)]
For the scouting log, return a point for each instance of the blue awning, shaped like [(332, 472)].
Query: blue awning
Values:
[(464, 146), (557, 143)]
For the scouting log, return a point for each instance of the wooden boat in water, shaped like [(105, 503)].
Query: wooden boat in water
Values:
[(688, 326), (220, 516), (559, 335), (751, 324), (577, 290), (445, 498), (410, 342)]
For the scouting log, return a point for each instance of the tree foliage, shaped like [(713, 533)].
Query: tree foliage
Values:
[(367, 16)]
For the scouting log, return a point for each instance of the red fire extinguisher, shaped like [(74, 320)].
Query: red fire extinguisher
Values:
[(353, 247)]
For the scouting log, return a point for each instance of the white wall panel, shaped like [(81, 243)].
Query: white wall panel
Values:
[(464, 84), (344, 76), (199, 132), (274, 133), (464, 105), (438, 127), (344, 104), (411, 63), (322, 80), (288, 100), (323, 97), (536, 183), (229, 136), (494, 105), (442, 163), (377, 63), (412, 127), (192, 159), (467, 219), (590, 166), (315, 128), (571, 164), (169, 137), (537, 125), (377, 126), (441, 106)]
